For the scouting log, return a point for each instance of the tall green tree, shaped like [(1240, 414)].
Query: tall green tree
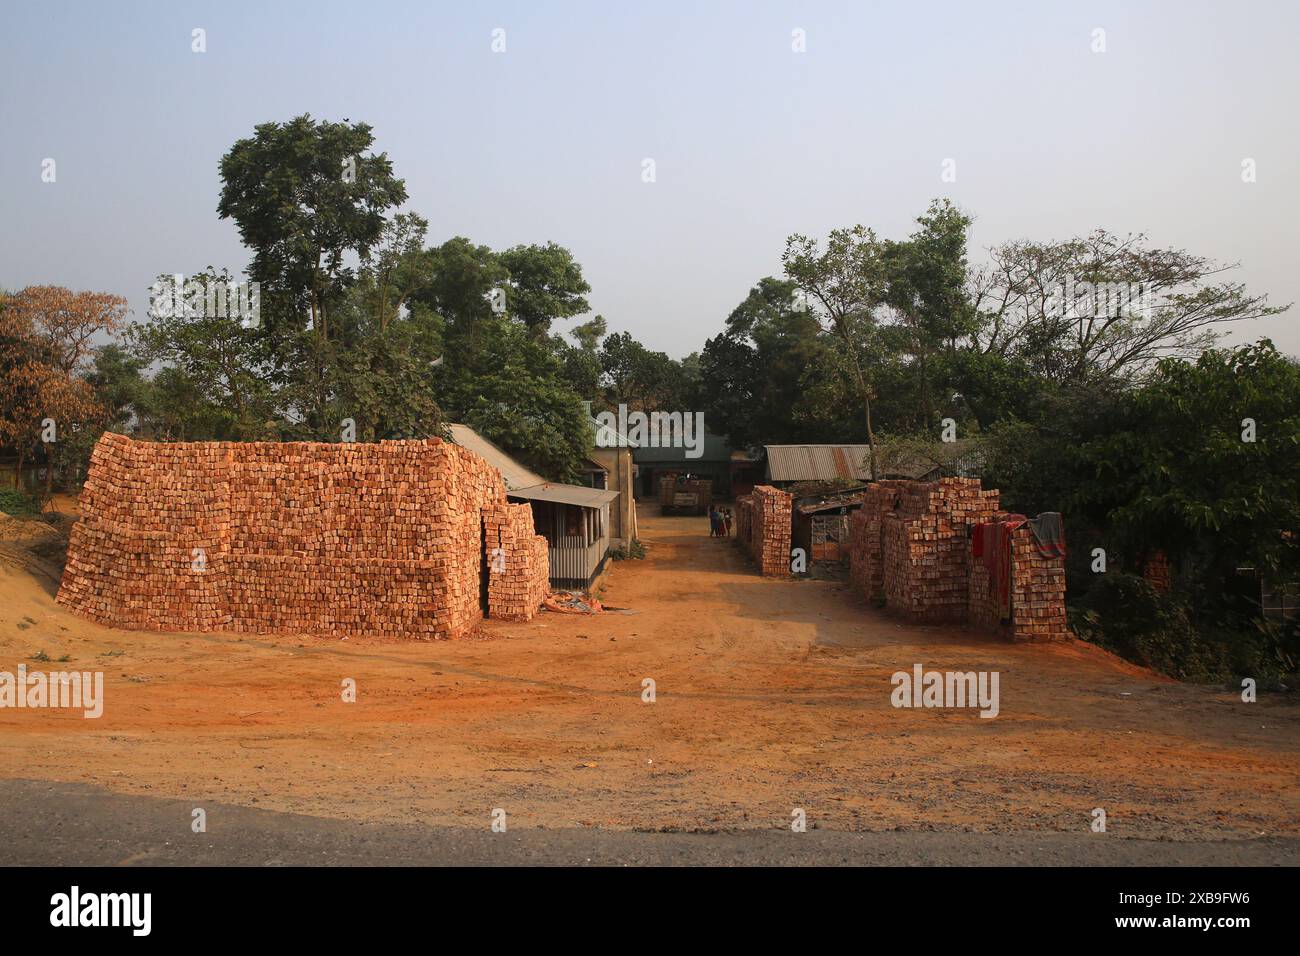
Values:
[(306, 195), (843, 284), (926, 287), (545, 284)]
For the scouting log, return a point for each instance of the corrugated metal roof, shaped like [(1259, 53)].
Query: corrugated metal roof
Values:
[(513, 474), (817, 462), (566, 494)]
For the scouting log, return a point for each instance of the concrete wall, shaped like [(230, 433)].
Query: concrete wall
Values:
[(622, 514), (368, 539)]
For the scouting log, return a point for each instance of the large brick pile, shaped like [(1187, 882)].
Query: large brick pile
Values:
[(866, 568), (925, 548), (1037, 592), (769, 530), (744, 521), (517, 562), (380, 539)]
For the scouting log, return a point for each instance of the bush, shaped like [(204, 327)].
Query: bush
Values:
[(18, 503), (635, 551), (1124, 614)]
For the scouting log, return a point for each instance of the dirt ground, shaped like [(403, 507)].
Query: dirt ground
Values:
[(770, 695)]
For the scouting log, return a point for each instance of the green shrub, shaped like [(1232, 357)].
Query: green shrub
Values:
[(635, 551), (1124, 614), (18, 503)]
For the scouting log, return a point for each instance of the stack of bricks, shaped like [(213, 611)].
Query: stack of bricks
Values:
[(1155, 571), (744, 521), (381, 540), (124, 565), (1037, 591), (770, 530), (866, 568), (517, 562), (925, 551)]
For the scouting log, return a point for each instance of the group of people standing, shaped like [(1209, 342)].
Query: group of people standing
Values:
[(719, 522)]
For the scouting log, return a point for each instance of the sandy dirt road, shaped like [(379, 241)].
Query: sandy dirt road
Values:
[(771, 695)]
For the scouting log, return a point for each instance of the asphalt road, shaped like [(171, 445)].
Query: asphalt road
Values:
[(51, 824)]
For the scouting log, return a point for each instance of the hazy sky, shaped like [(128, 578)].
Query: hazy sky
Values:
[(751, 140)]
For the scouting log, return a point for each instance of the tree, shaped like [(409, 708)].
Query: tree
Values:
[(758, 380), (45, 341), (305, 195), (463, 277), (545, 284), (1177, 468), (382, 373), (580, 364), (66, 322), (1103, 307), (510, 389), (926, 289), (44, 407), (398, 264), (229, 364), (843, 286)]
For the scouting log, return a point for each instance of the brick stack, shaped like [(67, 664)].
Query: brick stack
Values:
[(124, 567), (1037, 592), (770, 530), (866, 569), (925, 548), (744, 521), (367, 539), (1155, 570), (517, 561)]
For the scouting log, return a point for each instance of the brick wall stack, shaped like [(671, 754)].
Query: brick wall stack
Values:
[(770, 530), (1037, 592), (518, 564), (1155, 570), (866, 569), (381, 540), (925, 549), (744, 521)]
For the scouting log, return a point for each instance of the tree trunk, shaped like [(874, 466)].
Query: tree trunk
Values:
[(864, 392), (49, 472)]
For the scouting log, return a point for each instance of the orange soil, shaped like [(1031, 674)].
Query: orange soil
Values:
[(771, 695)]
